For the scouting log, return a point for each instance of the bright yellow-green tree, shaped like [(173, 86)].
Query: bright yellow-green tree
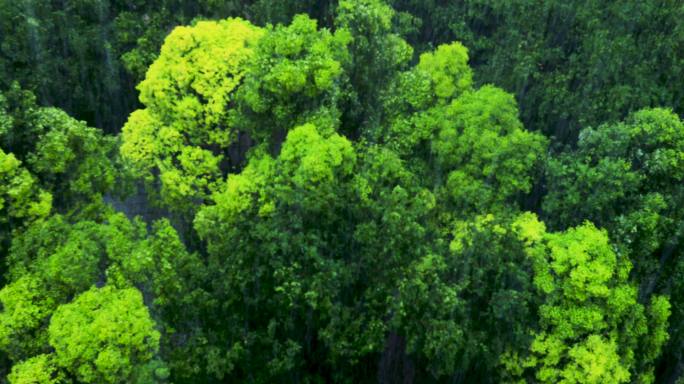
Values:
[(40, 369), (104, 336), (189, 121), (591, 329), (21, 197)]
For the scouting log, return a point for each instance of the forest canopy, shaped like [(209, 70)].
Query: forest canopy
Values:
[(341, 191)]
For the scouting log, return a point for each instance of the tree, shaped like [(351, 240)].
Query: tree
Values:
[(277, 285), (489, 156), (50, 262), (102, 48), (390, 224), (74, 162), (186, 127), (294, 78), (250, 81), (623, 176), (415, 99), (591, 327), (21, 201), (626, 177), (377, 54), (67, 54), (104, 336), (469, 142), (463, 305), (570, 64), (54, 260), (36, 370), (26, 305)]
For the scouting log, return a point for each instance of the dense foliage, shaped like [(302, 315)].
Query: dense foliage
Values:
[(318, 191)]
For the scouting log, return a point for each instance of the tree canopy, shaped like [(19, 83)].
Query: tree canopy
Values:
[(341, 191)]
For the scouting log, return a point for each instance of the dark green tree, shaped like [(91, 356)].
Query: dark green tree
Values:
[(74, 162), (569, 64)]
